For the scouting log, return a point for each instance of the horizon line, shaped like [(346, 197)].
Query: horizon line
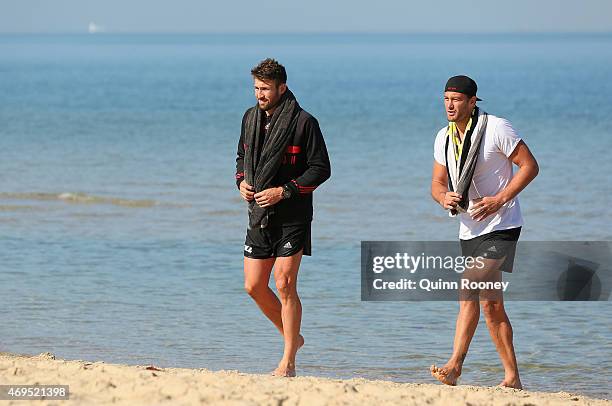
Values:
[(348, 32)]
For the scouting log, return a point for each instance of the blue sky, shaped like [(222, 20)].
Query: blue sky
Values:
[(307, 16)]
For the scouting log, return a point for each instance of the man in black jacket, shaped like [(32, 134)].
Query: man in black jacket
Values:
[(281, 160)]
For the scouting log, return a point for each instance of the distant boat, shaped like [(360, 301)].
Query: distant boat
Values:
[(95, 28)]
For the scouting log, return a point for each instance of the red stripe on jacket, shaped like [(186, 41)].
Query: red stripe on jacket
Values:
[(303, 189), (293, 149), (306, 189)]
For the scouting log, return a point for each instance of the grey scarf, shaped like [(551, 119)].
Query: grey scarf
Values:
[(260, 168), (460, 173)]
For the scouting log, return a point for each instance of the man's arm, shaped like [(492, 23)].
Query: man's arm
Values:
[(528, 170), (240, 162), (317, 158), (439, 188), (246, 190)]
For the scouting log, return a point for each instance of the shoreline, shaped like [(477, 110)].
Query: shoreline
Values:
[(99, 382)]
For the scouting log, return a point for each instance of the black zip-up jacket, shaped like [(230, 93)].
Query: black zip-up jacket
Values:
[(304, 167)]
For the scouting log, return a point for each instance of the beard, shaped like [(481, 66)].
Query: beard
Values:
[(268, 105)]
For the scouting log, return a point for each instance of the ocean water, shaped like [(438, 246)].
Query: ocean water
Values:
[(121, 230)]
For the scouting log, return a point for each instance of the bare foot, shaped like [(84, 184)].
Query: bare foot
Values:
[(288, 371), (446, 375), (512, 383), (285, 372)]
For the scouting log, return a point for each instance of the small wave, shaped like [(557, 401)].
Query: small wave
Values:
[(79, 198), (12, 207), (227, 213)]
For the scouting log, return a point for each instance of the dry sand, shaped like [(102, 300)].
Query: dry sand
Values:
[(102, 383)]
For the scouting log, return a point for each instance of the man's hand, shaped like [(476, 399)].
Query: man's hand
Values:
[(450, 200), (246, 191), (485, 207), (269, 197)]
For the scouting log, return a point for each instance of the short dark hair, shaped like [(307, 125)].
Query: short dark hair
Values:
[(270, 69)]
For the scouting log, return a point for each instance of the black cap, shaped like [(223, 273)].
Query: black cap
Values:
[(462, 84)]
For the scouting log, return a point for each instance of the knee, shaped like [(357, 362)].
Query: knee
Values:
[(470, 305), (469, 310), (253, 288), (285, 287), (493, 310)]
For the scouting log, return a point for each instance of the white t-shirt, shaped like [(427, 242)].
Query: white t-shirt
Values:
[(492, 174)]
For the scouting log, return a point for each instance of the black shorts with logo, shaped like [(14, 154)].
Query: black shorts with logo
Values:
[(494, 245), (277, 241)]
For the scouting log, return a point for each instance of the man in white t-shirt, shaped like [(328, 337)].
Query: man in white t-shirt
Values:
[(488, 210)]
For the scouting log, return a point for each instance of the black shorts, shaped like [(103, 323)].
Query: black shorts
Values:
[(494, 245), (278, 241)]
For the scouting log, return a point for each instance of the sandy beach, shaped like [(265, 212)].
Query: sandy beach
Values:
[(101, 383)]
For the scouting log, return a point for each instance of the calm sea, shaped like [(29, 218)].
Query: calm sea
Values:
[(121, 230)]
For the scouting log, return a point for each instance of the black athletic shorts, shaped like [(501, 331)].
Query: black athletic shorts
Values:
[(493, 245), (277, 241)]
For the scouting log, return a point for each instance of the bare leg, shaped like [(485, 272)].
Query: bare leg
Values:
[(467, 321), (285, 274), (500, 328), (256, 278), (501, 333)]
